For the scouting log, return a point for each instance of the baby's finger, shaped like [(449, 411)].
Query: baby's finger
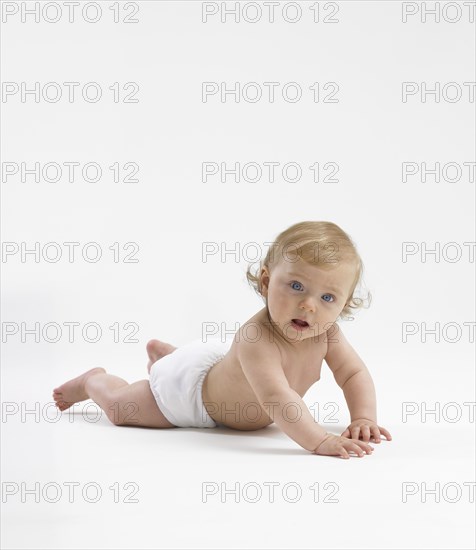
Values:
[(346, 433), (354, 447), (376, 433), (365, 433), (355, 432), (343, 453), (367, 448), (384, 432)]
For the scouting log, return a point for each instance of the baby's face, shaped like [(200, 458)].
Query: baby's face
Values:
[(297, 290)]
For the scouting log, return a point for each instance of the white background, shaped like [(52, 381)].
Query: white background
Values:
[(172, 290)]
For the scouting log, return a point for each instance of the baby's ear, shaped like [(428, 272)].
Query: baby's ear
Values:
[(264, 280)]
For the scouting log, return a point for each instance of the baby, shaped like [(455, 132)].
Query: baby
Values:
[(307, 281)]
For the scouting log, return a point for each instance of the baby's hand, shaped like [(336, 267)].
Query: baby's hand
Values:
[(333, 445), (367, 429)]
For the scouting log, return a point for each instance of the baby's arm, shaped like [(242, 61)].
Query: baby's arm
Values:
[(351, 375), (261, 364)]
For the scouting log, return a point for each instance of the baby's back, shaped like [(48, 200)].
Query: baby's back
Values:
[(227, 394)]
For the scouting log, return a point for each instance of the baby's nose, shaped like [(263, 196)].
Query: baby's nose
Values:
[(308, 305)]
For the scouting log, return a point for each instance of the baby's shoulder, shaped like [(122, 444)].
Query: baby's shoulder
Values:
[(254, 339)]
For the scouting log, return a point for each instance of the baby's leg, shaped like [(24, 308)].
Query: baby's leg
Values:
[(124, 404)]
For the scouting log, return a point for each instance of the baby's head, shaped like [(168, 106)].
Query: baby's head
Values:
[(310, 273)]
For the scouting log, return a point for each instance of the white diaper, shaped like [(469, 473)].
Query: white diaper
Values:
[(176, 381)]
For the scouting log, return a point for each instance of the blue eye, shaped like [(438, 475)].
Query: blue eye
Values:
[(330, 296), (295, 283)]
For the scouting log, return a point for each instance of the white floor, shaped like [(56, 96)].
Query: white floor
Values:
[(183, 481)]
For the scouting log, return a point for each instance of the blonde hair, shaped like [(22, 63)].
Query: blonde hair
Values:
[(318, 243)]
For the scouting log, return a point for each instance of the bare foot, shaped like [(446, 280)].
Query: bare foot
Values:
[(73, 391), (156, 350)]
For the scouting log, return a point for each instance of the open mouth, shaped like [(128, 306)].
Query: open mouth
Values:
[(299, 323)]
